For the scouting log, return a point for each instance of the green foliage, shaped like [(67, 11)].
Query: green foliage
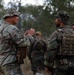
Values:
[(1, 9), (42, 17)]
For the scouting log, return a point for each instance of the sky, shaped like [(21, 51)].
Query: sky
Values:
[(24, 2)]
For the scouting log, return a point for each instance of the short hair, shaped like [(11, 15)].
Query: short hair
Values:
[(38, 33)]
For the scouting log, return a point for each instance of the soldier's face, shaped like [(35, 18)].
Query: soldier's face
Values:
[(57, 22), (15, 19)]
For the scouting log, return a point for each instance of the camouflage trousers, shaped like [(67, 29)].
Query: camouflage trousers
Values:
[(10, 69), (37, 63)]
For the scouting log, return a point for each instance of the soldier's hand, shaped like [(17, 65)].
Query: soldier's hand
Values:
[(46, 69), (30, 61)]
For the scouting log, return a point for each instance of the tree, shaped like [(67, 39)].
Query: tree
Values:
[(42, 17), (1, 9)]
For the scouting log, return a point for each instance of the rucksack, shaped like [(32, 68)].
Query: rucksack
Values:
[(39, 45), (67, 42)]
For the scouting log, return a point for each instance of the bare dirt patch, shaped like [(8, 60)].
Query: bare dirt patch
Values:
[(26, 67)]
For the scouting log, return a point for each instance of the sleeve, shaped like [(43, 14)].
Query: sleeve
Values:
[(17, 36), (52, 42), (51, 51), (45, 46)]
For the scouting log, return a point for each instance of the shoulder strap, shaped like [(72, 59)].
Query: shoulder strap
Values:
[(37, 40), (3, 29)]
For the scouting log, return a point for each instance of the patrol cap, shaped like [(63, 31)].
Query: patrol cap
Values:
[(11, 12), (63, 15)]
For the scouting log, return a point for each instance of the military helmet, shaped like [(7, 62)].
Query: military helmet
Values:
[(63, 15), (11, 12)]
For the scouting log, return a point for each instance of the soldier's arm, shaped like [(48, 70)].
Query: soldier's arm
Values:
[(51, 51), (52, 42), (19, 39), (45, 46), (30, 51)]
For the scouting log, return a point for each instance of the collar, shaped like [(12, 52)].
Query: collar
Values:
[(4, 22)]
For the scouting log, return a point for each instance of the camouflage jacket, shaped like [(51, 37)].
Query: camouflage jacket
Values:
[(38, 47), (54, 44), (10, 36)]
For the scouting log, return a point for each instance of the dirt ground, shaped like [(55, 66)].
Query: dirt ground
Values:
[(26, 67)]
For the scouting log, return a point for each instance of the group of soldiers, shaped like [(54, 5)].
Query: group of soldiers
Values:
[(56, 55), (58, 52), (36, 51)]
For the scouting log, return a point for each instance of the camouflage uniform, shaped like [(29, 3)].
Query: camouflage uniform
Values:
[(37, 54), (11, 69), (31, 39), (9, 37), (53, 57)]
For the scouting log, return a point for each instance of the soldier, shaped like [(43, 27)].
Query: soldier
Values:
[(11, 40), (60, 56), (38, 49)]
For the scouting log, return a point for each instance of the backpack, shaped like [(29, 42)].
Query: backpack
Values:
[(38, 47), (67, 42)]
